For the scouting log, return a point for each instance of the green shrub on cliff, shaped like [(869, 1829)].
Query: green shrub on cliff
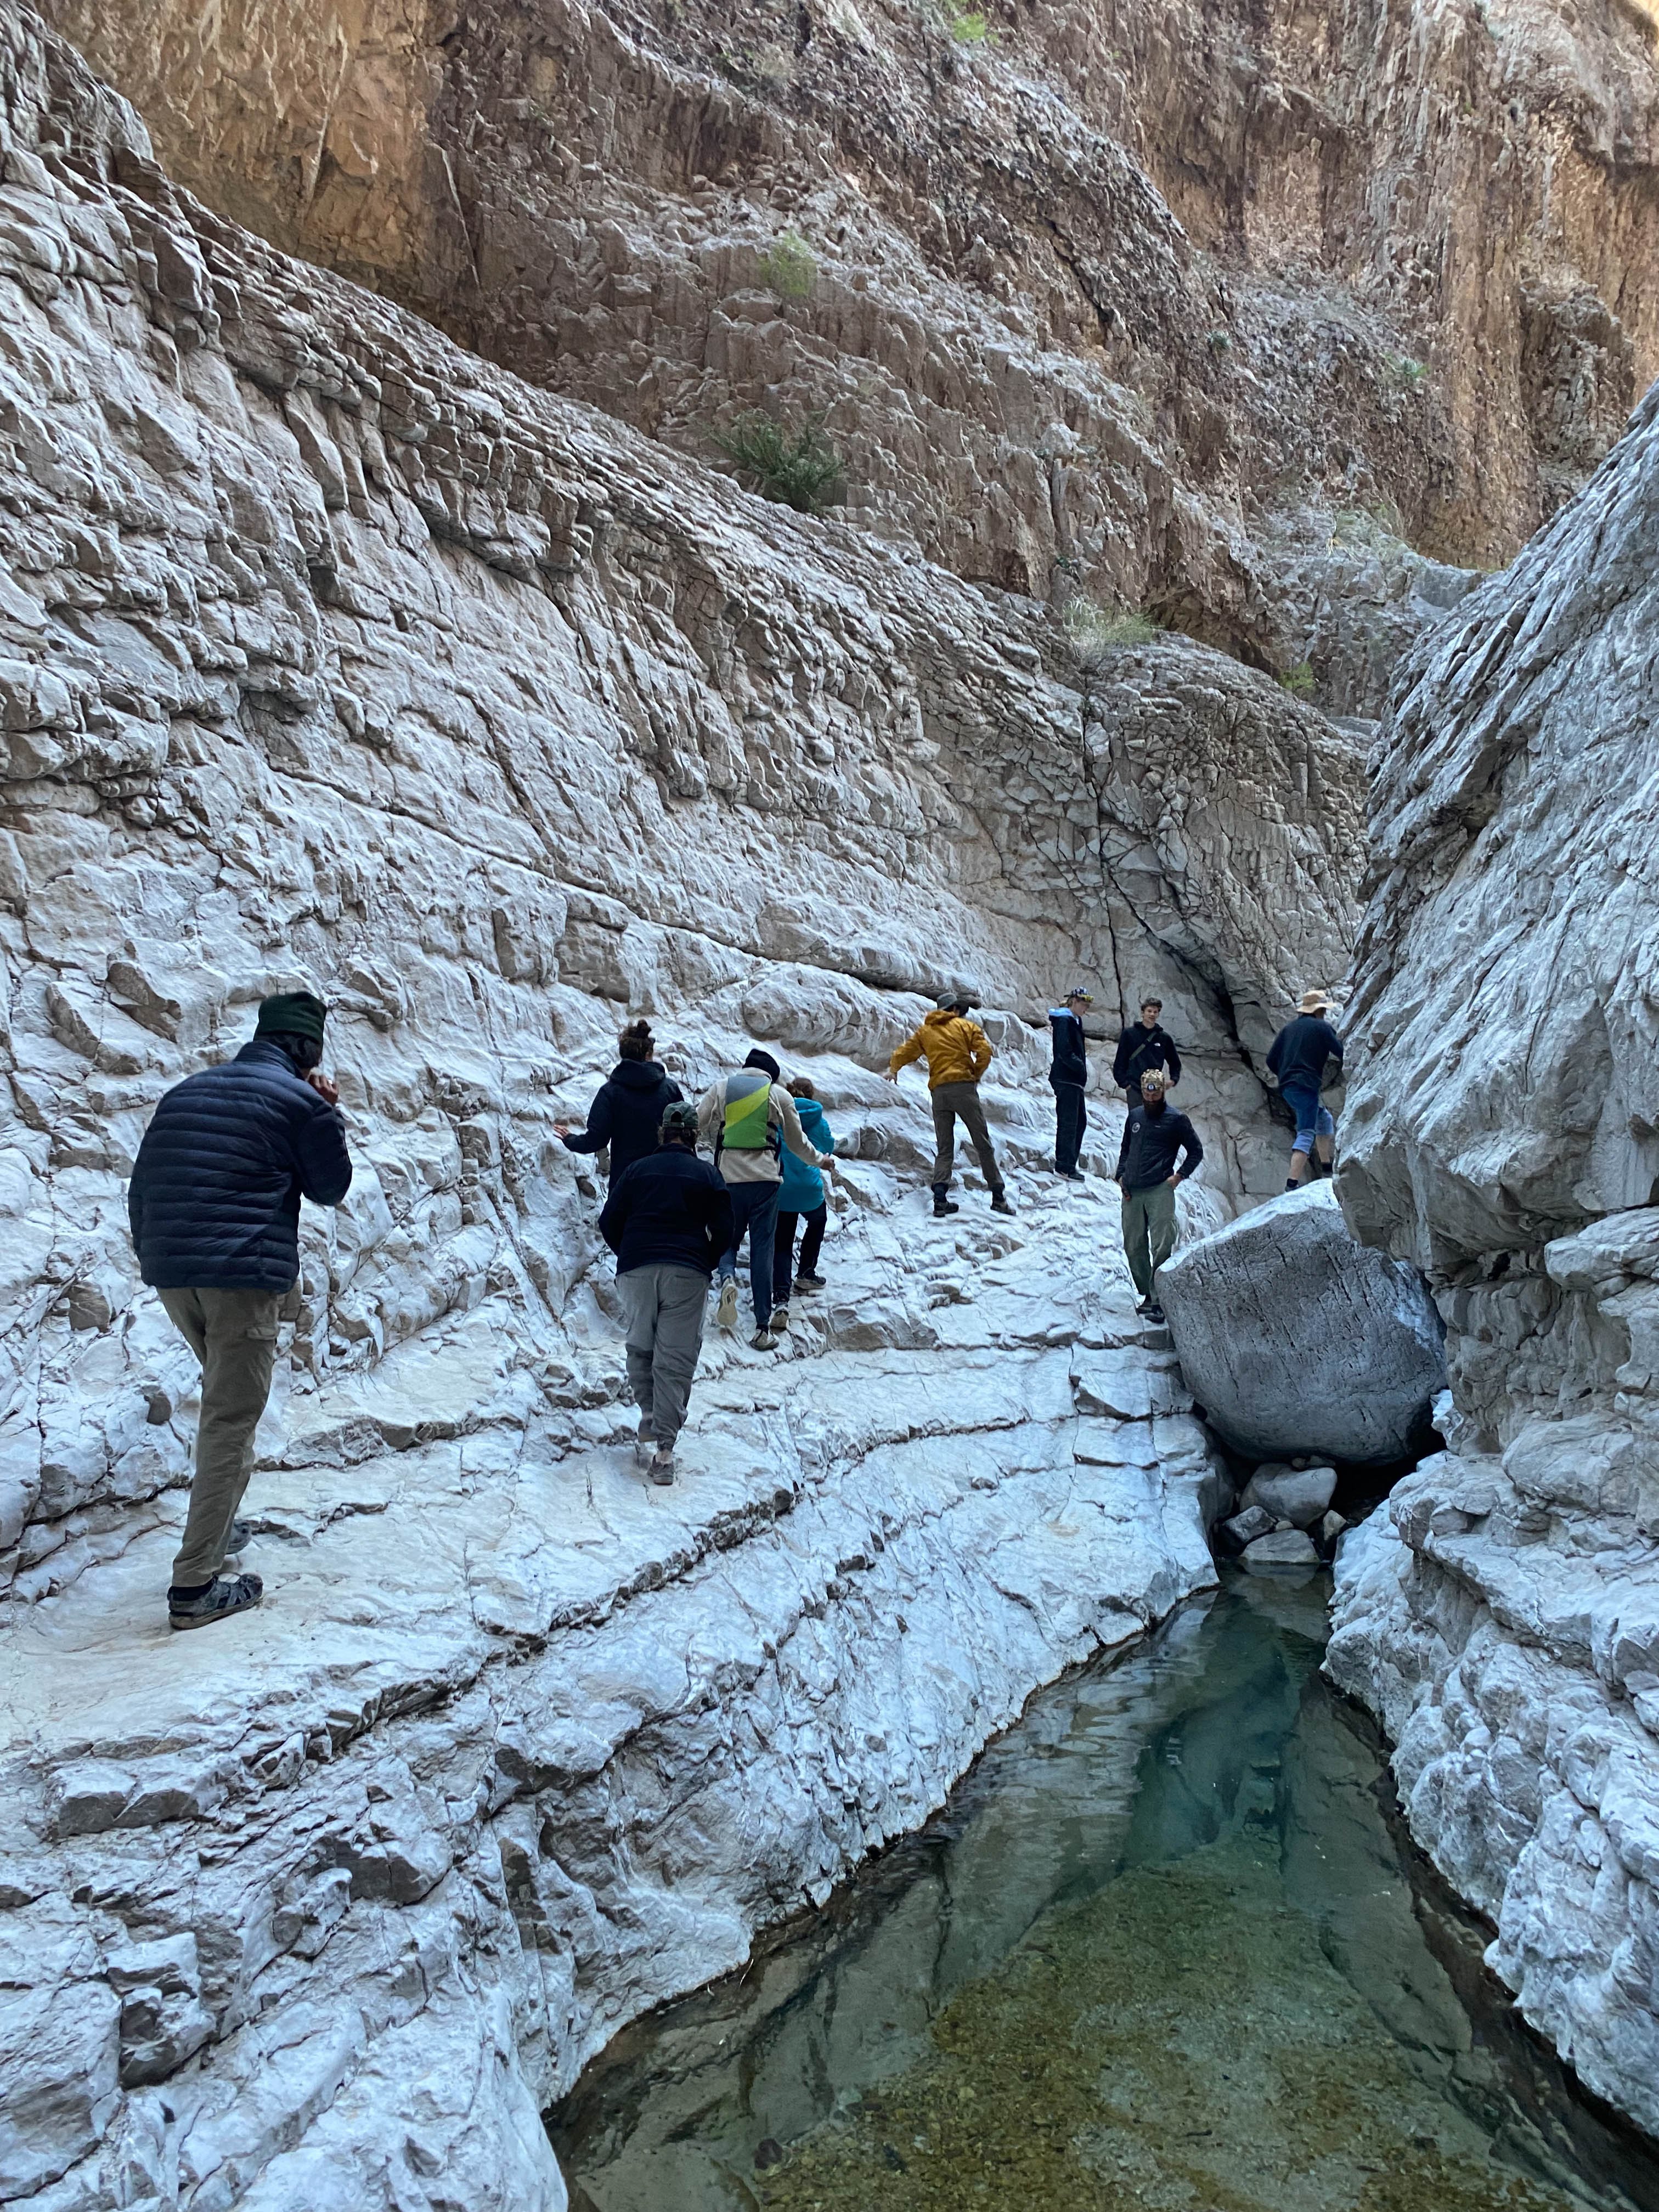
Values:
[(798, 467), (791, 267)]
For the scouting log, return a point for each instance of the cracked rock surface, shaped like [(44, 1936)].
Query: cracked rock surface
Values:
[(331, 653), (1502, 1618)]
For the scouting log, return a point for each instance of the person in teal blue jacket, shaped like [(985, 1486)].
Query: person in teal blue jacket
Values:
[(800, 1200)]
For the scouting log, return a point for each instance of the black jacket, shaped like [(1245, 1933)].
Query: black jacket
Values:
[(1071, 1058), (627, 1110), (1298, 1054), (672, 1210), (214, 1197), (1151, 1141), (1139, 1048)]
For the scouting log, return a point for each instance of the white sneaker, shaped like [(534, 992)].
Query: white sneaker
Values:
[(726, 1311), (779, 1321), (763, 1341)]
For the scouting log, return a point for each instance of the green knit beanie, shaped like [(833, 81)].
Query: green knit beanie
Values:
[(292, 1013)]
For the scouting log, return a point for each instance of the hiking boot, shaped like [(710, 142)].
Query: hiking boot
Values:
[(763, 1341), (726, 1311), (224, 1594), (1143, 1308), (1155, 1312), (942, 1206), (644, 1444), (662, 1467), (1000, 1202), (809, 1283), (779, 1323)]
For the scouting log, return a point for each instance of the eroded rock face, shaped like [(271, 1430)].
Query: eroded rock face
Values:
[(1098, 302), (1296, 1340), (1503, 1105), (332, 653)]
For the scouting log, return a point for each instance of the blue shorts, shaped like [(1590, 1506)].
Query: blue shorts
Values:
[(1312, 1120)]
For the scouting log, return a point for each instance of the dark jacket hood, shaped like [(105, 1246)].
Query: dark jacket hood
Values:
[(637, 1074)]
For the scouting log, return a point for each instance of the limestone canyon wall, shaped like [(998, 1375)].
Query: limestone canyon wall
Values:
[(1216, 313), (1502, 1131), (329, 652)]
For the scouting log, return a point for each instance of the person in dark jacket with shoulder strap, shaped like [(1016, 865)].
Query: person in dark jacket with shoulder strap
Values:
[(1068, 1074), (1155, 1136), (627, 1107), (214, 1205), (1297, 1058), (668, 1219), (1146, 1044)]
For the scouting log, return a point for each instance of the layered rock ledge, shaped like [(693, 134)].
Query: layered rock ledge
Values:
[(1504, 1618)]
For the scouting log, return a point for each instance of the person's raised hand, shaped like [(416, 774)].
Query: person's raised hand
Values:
[(561, 1128), (892, 1075), (324, 1090)]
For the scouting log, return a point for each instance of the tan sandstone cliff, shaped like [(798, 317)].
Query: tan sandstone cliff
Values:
[(1205, 313)]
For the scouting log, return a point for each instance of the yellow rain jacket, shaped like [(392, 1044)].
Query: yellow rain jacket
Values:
[(956, 1049)]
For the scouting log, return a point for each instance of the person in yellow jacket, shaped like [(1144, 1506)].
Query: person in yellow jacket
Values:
[(958, 1053)]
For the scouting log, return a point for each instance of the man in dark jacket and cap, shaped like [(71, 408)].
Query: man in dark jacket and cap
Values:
[(1068, 1073), (215, 1207), (668, 1219)]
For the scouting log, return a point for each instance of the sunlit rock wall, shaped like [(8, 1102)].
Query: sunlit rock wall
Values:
[(1503, 1106), (328, 652)]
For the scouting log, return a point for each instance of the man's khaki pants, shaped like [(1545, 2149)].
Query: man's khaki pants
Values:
[(1149, 1232), (234, 1334), (951, 1101)]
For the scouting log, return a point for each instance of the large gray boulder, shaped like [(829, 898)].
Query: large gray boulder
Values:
[(1295, 1339)]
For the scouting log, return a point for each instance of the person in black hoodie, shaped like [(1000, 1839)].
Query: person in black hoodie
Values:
[(1146, 1044), (1154, 1136), (668, 1219), (627, 1107), (1068, 1075)]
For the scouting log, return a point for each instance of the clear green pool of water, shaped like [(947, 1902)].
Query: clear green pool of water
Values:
[(1167, 1946)]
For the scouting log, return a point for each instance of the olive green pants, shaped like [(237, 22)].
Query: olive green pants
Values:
[(234, 1334), (1149, 1232)]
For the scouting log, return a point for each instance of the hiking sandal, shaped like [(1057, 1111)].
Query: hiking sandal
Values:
[(224, 1594)]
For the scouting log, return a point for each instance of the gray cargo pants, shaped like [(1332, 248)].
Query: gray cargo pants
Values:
[(666, 1307), (951, 1101), (234, 1334)]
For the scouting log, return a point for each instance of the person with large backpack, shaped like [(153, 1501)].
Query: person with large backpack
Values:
[(668, 1219), (627, 1108), (748, 1117)]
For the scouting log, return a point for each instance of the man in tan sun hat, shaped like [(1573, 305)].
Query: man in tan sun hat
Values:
[(1298, 1057)]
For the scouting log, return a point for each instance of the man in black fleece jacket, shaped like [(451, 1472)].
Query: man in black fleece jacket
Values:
[(1154, 1134), (1146, 1044), (668, 1219)]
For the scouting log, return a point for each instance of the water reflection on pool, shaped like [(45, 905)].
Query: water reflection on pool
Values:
[(1165, 1947)]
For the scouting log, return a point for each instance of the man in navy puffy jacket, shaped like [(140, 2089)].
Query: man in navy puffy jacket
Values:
[(215, 1207)]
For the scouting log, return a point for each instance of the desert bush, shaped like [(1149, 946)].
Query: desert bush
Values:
[(798, 467), (1095, 632), (969, 26), (1299, 680), (791, 268)]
